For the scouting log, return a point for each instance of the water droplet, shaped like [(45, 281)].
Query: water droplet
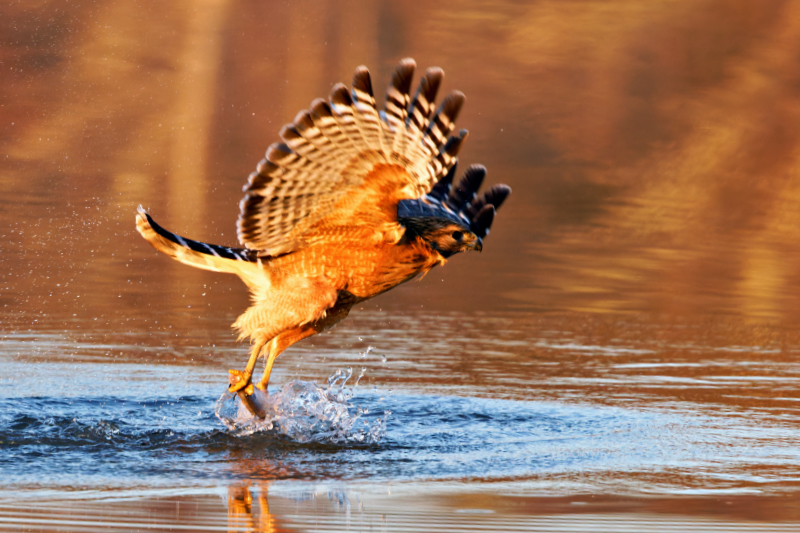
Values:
[(304, 412)]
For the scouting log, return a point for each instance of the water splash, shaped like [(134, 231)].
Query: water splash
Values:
[(304, 412)]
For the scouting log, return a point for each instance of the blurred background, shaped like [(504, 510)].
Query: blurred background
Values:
[(652, 148)]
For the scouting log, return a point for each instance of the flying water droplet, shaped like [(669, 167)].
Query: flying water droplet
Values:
[(367, 351), (304, 412), (361, 375)]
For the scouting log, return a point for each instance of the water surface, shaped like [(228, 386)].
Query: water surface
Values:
[(525, 408)]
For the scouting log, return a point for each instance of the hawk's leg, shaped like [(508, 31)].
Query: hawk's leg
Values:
[(291, 336), (277, 345), (243, 380), (282, 341)]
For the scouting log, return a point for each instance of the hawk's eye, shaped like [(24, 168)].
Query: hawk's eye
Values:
[(457, 235)]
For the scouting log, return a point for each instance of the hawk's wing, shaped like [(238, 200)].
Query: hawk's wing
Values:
[(343, 159)]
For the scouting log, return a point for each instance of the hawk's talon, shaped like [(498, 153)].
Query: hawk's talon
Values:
[(241, 384), (240, 381)]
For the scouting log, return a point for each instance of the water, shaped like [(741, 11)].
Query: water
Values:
[(573, 421), (546, 411), (304, 412), (623, 355), (114, 443)]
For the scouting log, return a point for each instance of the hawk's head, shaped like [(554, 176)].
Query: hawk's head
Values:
[(444, 235), (453, 219)]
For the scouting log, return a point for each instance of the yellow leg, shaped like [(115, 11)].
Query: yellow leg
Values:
[(272, 354), (290, 336), (243, 380), (279, 344)]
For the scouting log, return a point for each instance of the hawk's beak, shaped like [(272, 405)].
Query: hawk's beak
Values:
[(476, 245)]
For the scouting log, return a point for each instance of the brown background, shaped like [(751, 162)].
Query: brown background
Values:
[(652, 146)]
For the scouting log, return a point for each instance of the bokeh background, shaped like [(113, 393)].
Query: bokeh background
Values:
[(652, 148)]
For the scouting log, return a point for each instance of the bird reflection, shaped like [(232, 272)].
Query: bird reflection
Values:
[(249, 509), (243, 515)]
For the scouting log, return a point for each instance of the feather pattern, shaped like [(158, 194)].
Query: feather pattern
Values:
[(466, 190), (419, 112), (198, 254), (395, 112), (329, 150), (365, 112), (442, 188)]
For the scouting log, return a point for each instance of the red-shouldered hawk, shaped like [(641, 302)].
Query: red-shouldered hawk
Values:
[(355, 201)]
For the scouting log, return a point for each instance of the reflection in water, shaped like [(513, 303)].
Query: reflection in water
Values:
[(196, 77), (252, 508), (249, 511), (243, 515)]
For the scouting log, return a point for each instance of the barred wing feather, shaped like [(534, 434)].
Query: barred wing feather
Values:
[(330, 149)]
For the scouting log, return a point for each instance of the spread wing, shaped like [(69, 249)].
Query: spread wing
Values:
[(343, 162)]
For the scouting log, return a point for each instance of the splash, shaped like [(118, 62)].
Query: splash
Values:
[(304, 412)]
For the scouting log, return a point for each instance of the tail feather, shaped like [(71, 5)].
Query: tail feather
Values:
[(194, 253)]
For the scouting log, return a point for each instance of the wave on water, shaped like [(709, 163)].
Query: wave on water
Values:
[(304, 412)]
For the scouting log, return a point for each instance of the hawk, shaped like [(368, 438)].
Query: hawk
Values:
[(352, 203)]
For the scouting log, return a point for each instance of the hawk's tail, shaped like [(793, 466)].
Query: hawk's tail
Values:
[(194, 253)]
